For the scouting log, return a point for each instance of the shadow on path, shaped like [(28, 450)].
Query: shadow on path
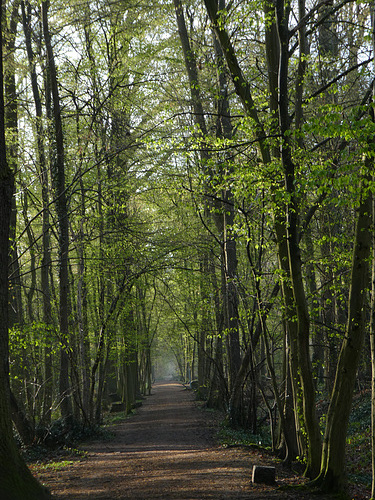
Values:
[(165, 451)]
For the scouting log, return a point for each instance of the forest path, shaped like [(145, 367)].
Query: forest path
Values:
[(165, 451)]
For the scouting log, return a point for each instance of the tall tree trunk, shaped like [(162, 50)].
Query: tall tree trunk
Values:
[(300, 360), (83, 368), (23, 425), (372, 305), (223, 211), (372, 347), (16, 481), (11, 124), (46, 257), (224, 131), (273, 54), (332, 476), (294, 252), (63, 225)]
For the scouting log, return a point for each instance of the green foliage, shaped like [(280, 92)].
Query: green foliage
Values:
[(360, 417), (56, 466), (41, 459), (228, 436), (61, 434), (358, 441)]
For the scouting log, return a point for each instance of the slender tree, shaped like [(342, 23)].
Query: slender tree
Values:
[(219, 202), (58, 170)]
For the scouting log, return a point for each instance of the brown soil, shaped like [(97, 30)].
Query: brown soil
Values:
[(167, 451)]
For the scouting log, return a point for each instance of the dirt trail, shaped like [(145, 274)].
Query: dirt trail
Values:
[(165, 451)]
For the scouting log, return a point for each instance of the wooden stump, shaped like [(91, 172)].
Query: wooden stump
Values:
[(263, 474)]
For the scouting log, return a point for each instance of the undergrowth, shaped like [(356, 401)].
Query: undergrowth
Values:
[(117, 418), (57, 445), (40, 458), (58, 442), (60, 433), (228, 436), (358, 461), (359, 441)]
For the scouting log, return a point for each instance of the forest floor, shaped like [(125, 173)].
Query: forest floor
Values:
[(167, 450)]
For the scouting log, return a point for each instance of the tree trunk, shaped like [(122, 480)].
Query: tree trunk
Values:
[(46, 257), (223, 206), (100, 352), (303, 321), (24, 427), (372, 347), (21, 422), (16, 481), (62, 214), (15, 299), (298, 331), (264, 310), (372, 305), (332, 476), (218, 390), (11, 125), (224, 132), (203, 328)]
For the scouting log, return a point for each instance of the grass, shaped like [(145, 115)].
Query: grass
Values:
[(53, 466), (41, 459)]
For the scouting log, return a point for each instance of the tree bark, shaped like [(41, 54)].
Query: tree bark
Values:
[(11, 124), (24, 427), (16, 481), (224, 131), (223, 211), (43, 169), (294, 252), (287, 248), (372, 304), (372, 347), (332, 476), (63, 222)]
